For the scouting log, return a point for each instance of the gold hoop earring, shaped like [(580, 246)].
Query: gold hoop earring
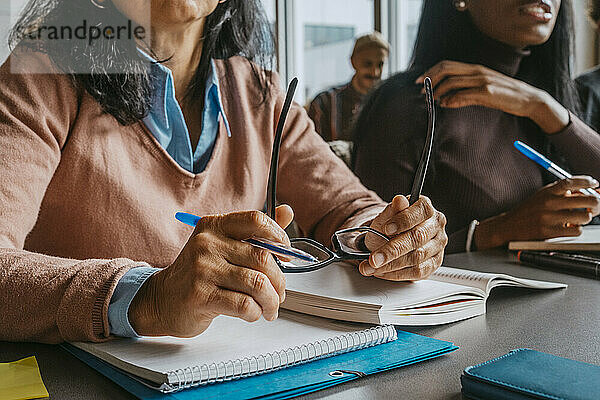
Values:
[(460, 5), (98, 3)]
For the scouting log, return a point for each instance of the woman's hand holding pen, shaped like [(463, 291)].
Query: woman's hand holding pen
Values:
[(459, 84), (214, 274), (556, 210), (416, 248)]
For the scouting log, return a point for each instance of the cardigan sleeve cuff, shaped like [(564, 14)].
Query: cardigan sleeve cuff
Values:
[(126, 289)]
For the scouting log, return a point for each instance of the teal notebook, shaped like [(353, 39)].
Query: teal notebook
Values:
[(353, 352), (525, 374)]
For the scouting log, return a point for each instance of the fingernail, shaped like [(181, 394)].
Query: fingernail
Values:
[(368, 270), (282, 298), (378, 260), (391, 228), (594, 183)]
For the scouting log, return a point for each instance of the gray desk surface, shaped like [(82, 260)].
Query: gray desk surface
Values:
[(562, 322)]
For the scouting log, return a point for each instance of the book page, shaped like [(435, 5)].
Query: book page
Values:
[(591, 234), (341, 284), (589, 240), (488, 281), (463, 277)]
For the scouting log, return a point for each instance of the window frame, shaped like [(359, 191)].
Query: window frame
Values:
[(285, 36), (388, 19)]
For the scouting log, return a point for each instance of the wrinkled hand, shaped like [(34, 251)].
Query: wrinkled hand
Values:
[(459, 84), (416, 247), (556, 210), (215, 274)]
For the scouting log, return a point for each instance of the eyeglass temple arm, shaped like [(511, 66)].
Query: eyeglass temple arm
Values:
[(272, 186), (419, 178)]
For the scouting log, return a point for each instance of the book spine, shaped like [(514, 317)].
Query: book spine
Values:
[(205, 374)]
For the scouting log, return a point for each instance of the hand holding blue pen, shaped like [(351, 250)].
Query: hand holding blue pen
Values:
[(549, 165), (286, 251), (214, 274), (555, 210)]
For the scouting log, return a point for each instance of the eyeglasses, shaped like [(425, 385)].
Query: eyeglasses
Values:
[(348, 244)]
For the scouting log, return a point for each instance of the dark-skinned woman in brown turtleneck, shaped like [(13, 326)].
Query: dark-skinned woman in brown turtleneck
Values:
[(500, 71)]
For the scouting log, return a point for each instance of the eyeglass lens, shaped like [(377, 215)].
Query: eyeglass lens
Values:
[(319, 252), (349, 244)]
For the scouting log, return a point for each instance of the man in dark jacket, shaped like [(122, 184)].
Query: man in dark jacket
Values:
[(333, 111)]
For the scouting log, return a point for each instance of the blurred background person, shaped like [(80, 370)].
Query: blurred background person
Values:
[(501, 72), (334, 110)]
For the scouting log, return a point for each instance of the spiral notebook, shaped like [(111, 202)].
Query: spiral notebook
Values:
[(232, 348)]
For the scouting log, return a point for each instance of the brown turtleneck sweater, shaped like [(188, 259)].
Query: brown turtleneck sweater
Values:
[(475, 171)]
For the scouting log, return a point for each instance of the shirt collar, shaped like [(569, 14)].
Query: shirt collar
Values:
[(162, 83), (213, 81)]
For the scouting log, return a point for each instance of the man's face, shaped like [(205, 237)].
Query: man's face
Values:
[(368, 64)]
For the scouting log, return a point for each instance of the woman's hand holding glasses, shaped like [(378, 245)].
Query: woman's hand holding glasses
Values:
[(417, 241), (215, 273)]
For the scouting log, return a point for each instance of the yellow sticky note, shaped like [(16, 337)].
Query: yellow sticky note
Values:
[(21, 380)]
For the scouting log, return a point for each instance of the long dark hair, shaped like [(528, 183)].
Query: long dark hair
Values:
[(236, 27), (443, 30)]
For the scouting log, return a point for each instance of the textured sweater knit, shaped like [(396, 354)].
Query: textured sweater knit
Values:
[(84, 199), (475, 171)]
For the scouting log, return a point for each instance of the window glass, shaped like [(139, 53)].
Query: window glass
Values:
[(409, 12), (270, 9), (5, 25), (322, 40)]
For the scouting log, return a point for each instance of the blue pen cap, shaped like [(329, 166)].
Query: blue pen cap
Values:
[(532, 154), (186, 218)]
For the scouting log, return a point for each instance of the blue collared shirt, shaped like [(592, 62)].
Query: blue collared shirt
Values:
[(166, 122)]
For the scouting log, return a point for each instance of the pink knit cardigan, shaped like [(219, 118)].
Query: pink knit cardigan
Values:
[(83, 199)]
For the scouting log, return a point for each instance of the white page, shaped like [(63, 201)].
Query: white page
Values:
[(589, 240), (487, 281), (591, 234), (227, 339), (344, 282)]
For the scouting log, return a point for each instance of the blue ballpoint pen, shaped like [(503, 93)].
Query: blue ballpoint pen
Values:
[(192, 220), (549, 165)]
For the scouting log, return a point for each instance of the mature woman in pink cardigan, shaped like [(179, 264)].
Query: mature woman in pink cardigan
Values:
[(96, 163)]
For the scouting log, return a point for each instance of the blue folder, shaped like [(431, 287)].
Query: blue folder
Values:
[(289, 382)]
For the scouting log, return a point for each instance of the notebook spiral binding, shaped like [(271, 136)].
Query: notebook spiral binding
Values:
[(201, 375)]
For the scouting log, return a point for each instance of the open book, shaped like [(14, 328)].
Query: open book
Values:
[(341, 292), (589, 240), (232, 348)]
